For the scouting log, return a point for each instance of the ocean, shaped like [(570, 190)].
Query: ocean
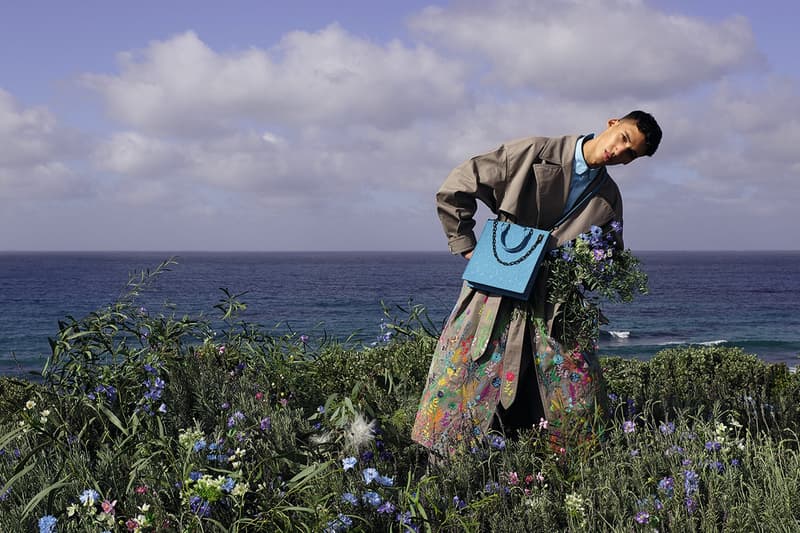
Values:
[(745, 299)]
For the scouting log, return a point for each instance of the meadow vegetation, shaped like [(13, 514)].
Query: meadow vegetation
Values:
[(147, 420)]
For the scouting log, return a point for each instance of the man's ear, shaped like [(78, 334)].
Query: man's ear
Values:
[(612, 121)]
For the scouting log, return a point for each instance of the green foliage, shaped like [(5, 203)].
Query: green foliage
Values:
[(585, 272), (178, 427)]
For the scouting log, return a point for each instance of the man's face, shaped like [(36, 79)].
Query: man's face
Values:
[(619, 144)]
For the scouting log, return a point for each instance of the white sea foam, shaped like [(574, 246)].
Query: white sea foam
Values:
[(690, 343), (620, 334)]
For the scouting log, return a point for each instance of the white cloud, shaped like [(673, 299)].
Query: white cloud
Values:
[(182, 86), (592, 49), (34, 150)]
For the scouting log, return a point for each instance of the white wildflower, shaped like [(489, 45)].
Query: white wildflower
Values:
[(30, 404), (360, 433)]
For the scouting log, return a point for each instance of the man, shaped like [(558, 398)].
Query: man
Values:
[(483, 374)]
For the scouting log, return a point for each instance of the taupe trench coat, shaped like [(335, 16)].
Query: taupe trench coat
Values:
[(528, 182)]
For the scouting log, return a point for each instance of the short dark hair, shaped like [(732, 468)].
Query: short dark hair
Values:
[(649, 127)]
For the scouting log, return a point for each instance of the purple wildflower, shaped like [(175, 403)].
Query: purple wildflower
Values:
[(667, 428), (350, 498), (371, 498), (628, 426), (667, 485), (691, 482), (642, 517), (386, 508)]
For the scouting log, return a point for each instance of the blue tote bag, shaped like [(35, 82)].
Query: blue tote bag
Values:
[(507, 257)]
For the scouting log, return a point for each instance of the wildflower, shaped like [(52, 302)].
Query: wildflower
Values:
[(259, 396), (367, 456), (575, 505), (194, 475), (667, 428), (370, 474), (228, 484), (497, 442), (235, 417), (542, 424), (162, 408), (616, 226), (132, 524), (349, 462), (540, 477), (341, 523), (717, 466), (360, 433), (199, 445), (513, 478), (691, 482), (141, 489), (691, 505), (385, 481), (667, 485), (613, 397), (642, 517), (628, 426), (386, 508), (222, 350), (47, 524), (735, 462), (199, 506), (371, 498), (304, 339), (713, 446), (595, 231), (265, 424), (459, 503), (108, 507), (88, 497), (673, 450), (350, 498)]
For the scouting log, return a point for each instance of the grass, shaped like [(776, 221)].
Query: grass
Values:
[(157, 422)]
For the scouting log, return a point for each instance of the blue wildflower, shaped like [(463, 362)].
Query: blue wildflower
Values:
[(350, 498), (386, 508), (691, 505), (497, 442), (691, 482), (642, 517), (349, 462), (367, 456), (713, 446), (667, 428), (371, 498), (667, 485), (459, 503), (228, 485), (89, 497), (385, 481), (47, 524), (370, 475), (265, 424), (199, 506), (199, 445)]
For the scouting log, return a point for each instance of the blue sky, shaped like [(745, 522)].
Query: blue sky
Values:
[(184, 125)]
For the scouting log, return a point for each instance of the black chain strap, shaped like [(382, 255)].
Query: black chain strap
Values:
[(519, 259)]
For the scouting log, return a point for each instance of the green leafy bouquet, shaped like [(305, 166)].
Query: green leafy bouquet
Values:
[(584, 272)]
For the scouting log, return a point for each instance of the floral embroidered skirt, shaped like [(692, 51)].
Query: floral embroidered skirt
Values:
[(475, 370)]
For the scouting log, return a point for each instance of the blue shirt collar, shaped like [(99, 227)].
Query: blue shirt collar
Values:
[(579, 165)]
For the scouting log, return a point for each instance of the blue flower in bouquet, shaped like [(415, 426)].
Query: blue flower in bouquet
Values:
[(616, 226), (596, 231)]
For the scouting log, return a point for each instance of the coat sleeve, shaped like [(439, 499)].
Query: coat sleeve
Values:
[(481, 178)]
